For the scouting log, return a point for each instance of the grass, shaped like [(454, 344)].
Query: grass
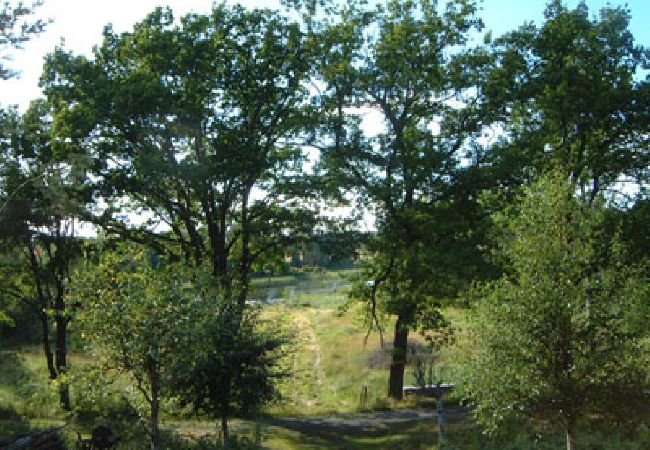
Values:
[(409, 435), (25, 392), (330, 367), (329, 370)]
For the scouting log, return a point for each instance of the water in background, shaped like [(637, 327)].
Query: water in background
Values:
[(301, 288)]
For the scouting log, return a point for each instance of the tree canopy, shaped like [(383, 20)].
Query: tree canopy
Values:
[(194, 122), (552, 339), (568, 92), (15, 30), (404, 59)]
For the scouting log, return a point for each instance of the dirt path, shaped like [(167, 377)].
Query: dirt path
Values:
[(355, 422), (346, 423)]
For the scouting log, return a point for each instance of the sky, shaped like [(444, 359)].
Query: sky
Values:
[(79, 24)]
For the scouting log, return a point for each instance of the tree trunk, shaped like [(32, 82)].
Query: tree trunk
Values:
[(569, 436), (398, 360), (155, 408), (245, 261), (49, 356), (440, 413), (64, 396), (45, 324), (61, 358), (224, 428)]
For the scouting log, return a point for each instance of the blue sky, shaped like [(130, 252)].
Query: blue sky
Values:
[(504, 15), (80, 22)]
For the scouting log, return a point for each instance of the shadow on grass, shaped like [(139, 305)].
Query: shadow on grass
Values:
[(290, 433), (13, 372)]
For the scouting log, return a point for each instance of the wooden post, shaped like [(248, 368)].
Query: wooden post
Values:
[(363, 397), (440, 413)]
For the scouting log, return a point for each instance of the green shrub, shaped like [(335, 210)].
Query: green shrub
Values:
[(208, 443), (8, 413), (96, 405), (112, 406)]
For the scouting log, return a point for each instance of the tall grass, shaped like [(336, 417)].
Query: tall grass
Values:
[(330, 371)]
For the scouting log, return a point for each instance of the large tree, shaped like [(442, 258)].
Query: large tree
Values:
[(192, 125), (555, 337), (15, 30), (36, 219), (402, 59), (569, 92), (41, 195)]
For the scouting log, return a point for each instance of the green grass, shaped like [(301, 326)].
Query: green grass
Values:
[(25, 391), (408, 435), (293, 278), (329, 370)]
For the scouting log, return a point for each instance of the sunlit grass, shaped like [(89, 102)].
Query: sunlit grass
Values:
[(328, 370), (25, 390)]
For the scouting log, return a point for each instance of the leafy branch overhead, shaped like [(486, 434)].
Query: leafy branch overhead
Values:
[(503, 189), (16, 28), (195, 122)]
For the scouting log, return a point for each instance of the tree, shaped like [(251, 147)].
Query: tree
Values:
[(135, 320), (552, 338), (13, 32), (16, 30), (41, 196), (568, 93), (193, 124), (230, 368), (403, 60), (165, 327)]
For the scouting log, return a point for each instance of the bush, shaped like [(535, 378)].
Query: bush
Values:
[(111, 406), (8, 412), (526, 434), (209, 443), (96, 405)]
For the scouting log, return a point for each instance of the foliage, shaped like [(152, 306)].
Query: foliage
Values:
[(192, 123), (41, 196), (568, 92), (15, 30), (551, 339), (633, 226), (200, 126), (165, 327), (403, 60), (525, 435), (232, 366), (135, 319), (5, 319)]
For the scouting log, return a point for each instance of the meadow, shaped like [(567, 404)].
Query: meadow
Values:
[(334, 395)]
